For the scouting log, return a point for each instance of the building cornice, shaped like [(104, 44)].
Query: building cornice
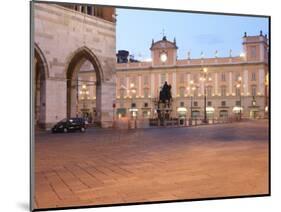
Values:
[(151, 68)]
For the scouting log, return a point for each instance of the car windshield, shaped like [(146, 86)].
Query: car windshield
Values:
[(63, 120)]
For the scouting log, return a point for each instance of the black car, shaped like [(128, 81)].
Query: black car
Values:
[(70, 124)]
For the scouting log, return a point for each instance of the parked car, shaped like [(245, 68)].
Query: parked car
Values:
[(70, 124)]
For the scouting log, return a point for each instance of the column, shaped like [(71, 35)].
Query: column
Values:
[(91, 88), (188, 83), (152, 85), (230, 83), (106, 98), (127, 85), (139, 87), (216, 83), (156, 84), (55, 103), (261, 81), (245, 82), (201, 91), (262, 52), (174, 85)]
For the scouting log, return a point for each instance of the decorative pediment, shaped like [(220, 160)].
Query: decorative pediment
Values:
[(163, 44)]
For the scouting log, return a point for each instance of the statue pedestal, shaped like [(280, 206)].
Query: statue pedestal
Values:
[(164, 113)]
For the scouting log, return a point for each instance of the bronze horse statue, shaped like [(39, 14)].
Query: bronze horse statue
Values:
[(165, 95)]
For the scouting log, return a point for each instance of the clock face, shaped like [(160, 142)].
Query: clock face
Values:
[(163, 57)]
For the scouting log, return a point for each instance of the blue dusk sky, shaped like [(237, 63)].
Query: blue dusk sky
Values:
[(194, 32)]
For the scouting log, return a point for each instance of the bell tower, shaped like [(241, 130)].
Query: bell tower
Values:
[(255, 47), (163, 52)]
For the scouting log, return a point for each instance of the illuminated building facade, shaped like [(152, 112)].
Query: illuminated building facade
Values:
[(234, 86)]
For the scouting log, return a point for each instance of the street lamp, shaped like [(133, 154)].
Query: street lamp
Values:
[(238, 86), (192, 89), (203, 79), (266, 95), (133, 92)]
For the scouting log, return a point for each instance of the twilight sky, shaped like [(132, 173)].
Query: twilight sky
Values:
[(193, 32)]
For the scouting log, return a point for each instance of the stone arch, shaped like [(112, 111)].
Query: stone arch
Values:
[(74, 62), (38, 53), (40, 74), (84, 53)]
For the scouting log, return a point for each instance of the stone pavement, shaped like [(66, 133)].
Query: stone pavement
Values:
[(120, 166)]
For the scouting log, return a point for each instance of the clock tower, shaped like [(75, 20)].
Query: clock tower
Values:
[(164, 52)]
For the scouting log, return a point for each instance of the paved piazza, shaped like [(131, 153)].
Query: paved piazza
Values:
[(105, 166)]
